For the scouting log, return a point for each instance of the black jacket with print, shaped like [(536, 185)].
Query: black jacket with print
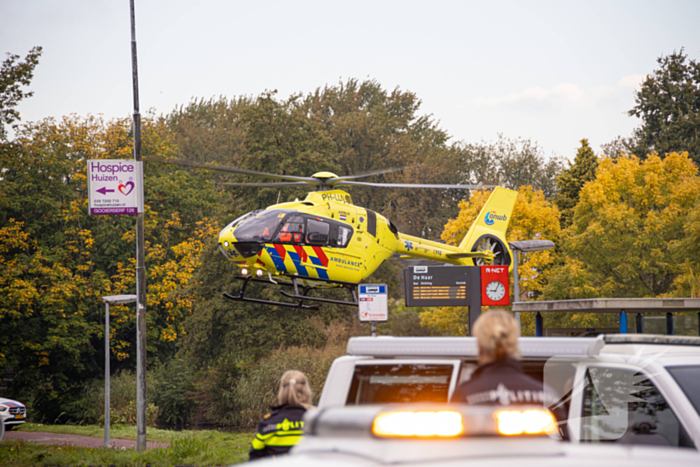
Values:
[(278, 431), (502, 383)]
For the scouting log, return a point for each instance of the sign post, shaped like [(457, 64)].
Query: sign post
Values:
[(373, 304)]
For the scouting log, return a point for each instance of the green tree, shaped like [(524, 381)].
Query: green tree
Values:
[(511, 163), (669, 105), (571, 180), (56, 261), (13, 75)]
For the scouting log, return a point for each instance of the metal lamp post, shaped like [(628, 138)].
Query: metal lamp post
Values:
[(114, 300), (525, 246)]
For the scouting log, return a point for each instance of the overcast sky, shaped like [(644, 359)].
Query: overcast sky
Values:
[(550, 71)]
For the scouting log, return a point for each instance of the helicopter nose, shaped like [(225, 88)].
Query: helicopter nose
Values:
[(234, 249), (227, 243)]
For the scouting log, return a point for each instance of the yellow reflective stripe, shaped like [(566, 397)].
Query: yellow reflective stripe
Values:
[(257, 444), (284, 440), (264, 437)]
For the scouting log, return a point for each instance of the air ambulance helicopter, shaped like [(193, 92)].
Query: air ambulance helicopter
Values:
[(326, 241)]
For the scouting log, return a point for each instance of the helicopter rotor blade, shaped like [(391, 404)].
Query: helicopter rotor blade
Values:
[(416, 185), (263, 184), (369, 174), (187, 163)]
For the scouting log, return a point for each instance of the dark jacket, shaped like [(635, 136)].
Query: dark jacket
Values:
[(502, 383), (278, 431)]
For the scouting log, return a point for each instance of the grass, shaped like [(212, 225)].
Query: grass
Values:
[(201, 448)]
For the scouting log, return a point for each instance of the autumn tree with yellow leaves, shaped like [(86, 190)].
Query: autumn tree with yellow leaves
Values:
[(533, 218), (634, 231)]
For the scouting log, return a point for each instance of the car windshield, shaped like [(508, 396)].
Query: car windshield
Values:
[(261, 227), (688, 378)]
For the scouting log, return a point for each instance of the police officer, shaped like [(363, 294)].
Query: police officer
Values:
[(282, 428), (499, 378)]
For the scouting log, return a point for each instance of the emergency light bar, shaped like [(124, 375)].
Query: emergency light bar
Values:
[(420, 424), (435, 421)]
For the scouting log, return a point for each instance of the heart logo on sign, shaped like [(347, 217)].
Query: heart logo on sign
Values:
[(127, 188)]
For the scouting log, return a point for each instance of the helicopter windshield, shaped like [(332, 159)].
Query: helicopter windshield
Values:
[(261, 227)]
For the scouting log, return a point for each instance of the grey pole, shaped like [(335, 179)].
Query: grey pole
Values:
[(516, 287), (107, 371), (116, 300), (140, 261)]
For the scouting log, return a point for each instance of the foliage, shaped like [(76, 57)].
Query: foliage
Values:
[(56, 261), (631, 229), (122, 398), (174, 384), (533, 218), (257, 390), (571, 180), (668, 103), (511, 163), (404, 321), (13, 75)]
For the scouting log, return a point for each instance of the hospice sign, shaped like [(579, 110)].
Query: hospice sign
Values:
[(115, 186)]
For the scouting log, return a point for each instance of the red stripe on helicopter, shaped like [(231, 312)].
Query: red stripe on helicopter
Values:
[(280, 250), (321, 255), (302, 253)]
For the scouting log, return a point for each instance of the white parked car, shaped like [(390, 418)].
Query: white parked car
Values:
[(12, 413)]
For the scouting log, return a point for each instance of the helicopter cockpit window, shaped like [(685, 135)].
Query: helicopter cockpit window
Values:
[(318, 232), (261, 227), (292, 230)]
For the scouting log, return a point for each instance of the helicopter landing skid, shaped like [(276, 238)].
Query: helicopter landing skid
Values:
[(349, 286), (296, 295)]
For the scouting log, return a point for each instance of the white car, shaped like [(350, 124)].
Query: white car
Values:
[(626, 388), (456, 435), (12, 413)]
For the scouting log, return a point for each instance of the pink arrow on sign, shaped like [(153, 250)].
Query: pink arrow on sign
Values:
[(104, 190)]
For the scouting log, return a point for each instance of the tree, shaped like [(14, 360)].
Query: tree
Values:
[(511, 163), (571, 180), (669, 105), (13, 75), (533, 218), (629, 231), (56, 261)]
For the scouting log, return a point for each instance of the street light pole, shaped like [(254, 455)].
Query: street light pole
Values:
[(140, 260), (116, 300)]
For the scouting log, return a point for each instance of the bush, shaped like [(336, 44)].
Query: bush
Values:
[(122, 400), (174, 386), (256, 391)]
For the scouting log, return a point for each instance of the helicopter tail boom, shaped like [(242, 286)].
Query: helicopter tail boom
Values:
[(484, 243)]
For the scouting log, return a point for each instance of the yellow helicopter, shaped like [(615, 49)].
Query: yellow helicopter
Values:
[(327, 241)]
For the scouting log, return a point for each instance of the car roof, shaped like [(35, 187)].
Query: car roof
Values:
[(530, 347)]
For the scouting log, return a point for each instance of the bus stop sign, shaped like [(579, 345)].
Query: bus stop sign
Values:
[(373, 302)]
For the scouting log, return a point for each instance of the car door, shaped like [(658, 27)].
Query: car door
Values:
[(618, 403)]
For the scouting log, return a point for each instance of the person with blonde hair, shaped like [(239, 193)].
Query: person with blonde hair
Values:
[(499, 378), (282, 428)]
